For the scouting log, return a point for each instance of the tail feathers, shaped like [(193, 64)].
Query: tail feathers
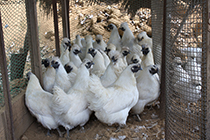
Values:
[(61, 102)]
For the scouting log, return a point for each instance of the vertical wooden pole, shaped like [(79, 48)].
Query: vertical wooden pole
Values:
[(34, 42), (206, 22), (65, 18), (163, 68), (9, 128), (55, 14)]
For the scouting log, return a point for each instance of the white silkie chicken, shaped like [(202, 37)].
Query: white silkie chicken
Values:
[(193, 52), (39, 103), (194, 70), (78, 41), (135, 59), (48, 76), (106, 57), (98, 60), (65, 43), (112, 104), (115, 67), (74, 55), (71, 69), (71, 109), (110, 48), (64, 58), (148, 84), (61, 77), (89, 44), (99, 43), (127, 34), (109, 76), (114, 37), (135, 48), (147, 58), (188, 91), (179, 74), (142, 39)]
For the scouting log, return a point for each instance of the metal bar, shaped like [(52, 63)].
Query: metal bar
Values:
[(206, 37), (67, 16), (9, 130), (34, 42), (163, 63), (65, 19), (55, 16)]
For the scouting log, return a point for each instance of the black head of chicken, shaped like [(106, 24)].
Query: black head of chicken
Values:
[(134, 60), (98, 41), (145, 50), (114, 59), (92, 52), (140, 39), (110, 27), (122, 28), (46, 62), (28, 75), (126, 52), (68, 68), (55, 64), (136, 68), (89, 64), (76, 52), (107, 50), (154, 69)]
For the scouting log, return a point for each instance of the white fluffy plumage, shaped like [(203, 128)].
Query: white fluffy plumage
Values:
[(194, 70), (64, 58), (74, 55), (61, 77), (48, 76), (98, 60), (147, 58), (112, 104), (143, 39), (71, 69), (127, 34), (65, 43), (99, 43), (114, 37), (148, 84), (71, 109), (39, 103)]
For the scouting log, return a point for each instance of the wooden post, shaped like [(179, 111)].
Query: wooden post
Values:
[(57, 44), (34, 40), (206, 20), (163, 64), (65, 18), (9, 129)]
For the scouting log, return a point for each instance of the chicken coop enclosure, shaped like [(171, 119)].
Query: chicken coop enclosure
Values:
[(32, 30)]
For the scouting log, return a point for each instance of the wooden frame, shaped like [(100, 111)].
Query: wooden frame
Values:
[(22, 118)]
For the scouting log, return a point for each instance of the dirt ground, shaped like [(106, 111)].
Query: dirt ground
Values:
[(151, 127)]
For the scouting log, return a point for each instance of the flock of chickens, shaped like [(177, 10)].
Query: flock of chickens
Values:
[(109, 79)]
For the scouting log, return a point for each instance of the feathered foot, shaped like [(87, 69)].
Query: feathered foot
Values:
[(137, 115), (48, 133), (119, 127), (60, 133), (67, 137)]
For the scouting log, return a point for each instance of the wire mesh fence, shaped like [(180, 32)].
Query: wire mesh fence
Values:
[(17, 45), (184, 68)]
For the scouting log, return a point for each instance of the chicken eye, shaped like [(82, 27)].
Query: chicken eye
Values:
[(140, 39)]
